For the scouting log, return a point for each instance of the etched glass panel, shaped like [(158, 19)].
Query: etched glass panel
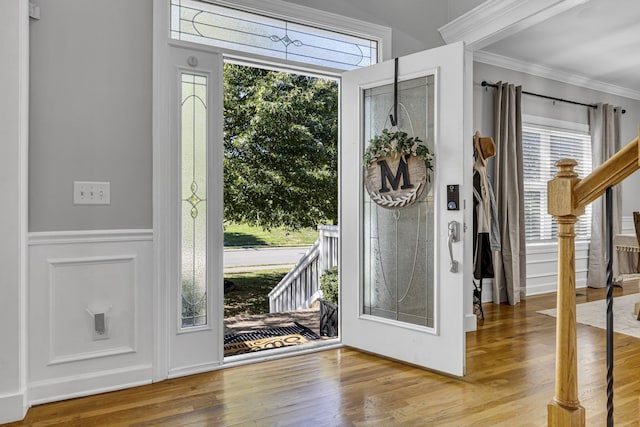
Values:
[(259, 34), (399, 243), (193, 195)]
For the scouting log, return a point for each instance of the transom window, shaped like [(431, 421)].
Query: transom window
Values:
[(543, 146), (271, 36)]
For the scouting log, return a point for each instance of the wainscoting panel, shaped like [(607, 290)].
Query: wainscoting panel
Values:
[(95, 282), (72, 277), (628, 226), (542, 267)]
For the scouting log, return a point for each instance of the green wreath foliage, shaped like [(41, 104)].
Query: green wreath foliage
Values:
[(393, 143)]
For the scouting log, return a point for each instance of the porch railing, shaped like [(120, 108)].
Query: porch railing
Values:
[(301, 286)]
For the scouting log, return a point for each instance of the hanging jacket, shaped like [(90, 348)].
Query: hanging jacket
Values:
[(487, 210)]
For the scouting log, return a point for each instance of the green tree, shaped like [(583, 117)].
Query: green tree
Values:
[(281, 148)]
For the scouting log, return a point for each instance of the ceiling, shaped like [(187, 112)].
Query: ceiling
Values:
[(596, 40)]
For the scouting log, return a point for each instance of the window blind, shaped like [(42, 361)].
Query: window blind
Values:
[(542, 148)]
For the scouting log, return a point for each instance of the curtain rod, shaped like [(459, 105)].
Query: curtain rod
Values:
[(553, 98)]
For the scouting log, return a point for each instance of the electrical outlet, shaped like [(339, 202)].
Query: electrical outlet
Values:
[(100, 331), (91, 193)]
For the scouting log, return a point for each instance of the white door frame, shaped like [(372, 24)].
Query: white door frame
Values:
[(166, 214), (14, 158), (164, 222), (165, 240)]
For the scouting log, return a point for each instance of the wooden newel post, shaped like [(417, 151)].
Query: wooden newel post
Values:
[(565, 408)]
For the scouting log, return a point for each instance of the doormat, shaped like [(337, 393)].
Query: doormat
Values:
[(265, 339)]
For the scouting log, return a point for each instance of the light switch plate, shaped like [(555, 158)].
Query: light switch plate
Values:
[(91, 193)]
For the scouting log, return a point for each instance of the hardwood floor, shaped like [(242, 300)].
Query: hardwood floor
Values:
[(510, 372)]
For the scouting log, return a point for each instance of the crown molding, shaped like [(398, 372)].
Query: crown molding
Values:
[(552, 74), (494, 20)]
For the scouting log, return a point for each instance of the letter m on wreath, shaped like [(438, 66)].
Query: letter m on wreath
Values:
[(401, 174)]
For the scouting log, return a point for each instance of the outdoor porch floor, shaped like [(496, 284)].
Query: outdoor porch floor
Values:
[(309, 318)]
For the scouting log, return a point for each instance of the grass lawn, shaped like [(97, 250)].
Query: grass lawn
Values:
[(242, 235), (250, 295)]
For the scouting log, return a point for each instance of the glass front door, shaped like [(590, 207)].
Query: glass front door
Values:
[(399, 242), (399, 295)]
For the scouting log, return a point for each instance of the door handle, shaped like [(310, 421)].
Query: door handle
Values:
[(454, 236)]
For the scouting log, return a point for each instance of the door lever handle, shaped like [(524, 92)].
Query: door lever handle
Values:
[(454, 229)]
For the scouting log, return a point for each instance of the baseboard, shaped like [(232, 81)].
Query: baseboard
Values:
[(542, 289), (552, 287), (13, 407), (88, 384), (470, 322), (194, 369), (487, 290)]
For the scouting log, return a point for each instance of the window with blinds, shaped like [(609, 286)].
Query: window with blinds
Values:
[(542, 147)]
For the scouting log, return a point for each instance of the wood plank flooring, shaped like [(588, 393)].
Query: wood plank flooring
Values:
[(510, 371)]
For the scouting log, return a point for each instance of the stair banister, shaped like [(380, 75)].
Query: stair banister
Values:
[(612, 172), (567, 198)]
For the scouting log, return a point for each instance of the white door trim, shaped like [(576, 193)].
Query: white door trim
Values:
[(14, 130), (168, 353), (162, 221)]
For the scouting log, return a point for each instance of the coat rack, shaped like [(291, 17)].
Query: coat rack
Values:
[(484, 148)]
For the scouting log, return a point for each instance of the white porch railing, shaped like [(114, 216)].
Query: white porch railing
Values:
[(301, 286)]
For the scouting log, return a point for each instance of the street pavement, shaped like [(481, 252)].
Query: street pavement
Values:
[(262, 258)]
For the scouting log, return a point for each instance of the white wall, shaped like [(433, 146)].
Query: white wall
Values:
[(458, 8), (414, 23), (542, 259), (90, 119), (90, 113), (13, 145)]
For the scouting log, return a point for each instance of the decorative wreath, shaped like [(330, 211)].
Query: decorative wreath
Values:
[(393, 143), (397, 202)]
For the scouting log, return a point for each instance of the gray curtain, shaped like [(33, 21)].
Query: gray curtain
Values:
[(604, 122), (509, 264)]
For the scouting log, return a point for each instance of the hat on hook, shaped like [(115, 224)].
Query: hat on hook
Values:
[(485, 147)]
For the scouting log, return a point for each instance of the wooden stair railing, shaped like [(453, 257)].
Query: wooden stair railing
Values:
[(567, 198)]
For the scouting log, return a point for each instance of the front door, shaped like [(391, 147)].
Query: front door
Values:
[(402, 226)]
